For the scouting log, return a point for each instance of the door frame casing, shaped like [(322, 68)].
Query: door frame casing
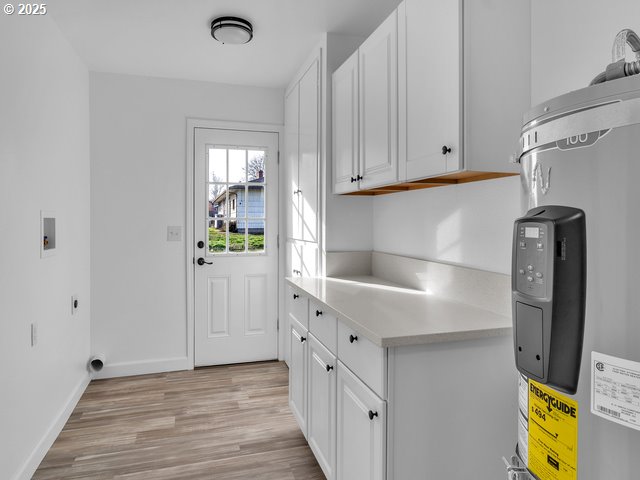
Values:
[(189, 237)]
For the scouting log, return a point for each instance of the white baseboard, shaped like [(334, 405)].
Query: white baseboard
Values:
[(38, 454), (127, 369)]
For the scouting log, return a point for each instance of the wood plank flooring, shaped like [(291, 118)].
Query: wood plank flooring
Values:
[(227, 422)]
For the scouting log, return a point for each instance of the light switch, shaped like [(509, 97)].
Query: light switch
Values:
[(174, 234)]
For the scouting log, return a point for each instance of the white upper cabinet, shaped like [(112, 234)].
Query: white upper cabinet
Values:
[(302, 150), (442, 86), (345, 126), (429, 80), (378, 104), (309, 143)]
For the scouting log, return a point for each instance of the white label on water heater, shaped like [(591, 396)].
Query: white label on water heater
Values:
[(615, 389)]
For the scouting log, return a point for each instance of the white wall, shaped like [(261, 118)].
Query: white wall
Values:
[(138, 184), (44, 164), (571, 42), (468, 224)]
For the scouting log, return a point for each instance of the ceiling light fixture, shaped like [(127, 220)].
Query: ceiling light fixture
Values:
[(232, 30)]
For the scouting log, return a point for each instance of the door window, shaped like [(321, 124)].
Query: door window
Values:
[(236, 204)]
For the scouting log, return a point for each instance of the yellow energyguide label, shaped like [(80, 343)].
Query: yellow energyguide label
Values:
[(553, 434)]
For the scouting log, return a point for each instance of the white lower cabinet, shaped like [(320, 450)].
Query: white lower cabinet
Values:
[(361, 430), (321, 418), (298, 374)]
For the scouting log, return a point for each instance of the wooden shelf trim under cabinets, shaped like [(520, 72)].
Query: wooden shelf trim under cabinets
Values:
[(440, 181)]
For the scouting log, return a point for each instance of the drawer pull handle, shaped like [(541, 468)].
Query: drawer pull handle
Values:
[(318, 313), (303, 339), (295, 295), (353, 338), (372, 414), (329, 368)]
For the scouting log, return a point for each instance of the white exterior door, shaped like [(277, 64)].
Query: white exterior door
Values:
[(236, 254)]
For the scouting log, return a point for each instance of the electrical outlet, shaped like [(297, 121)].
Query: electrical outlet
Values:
[(34, 334), (74, 304), (174, 234)]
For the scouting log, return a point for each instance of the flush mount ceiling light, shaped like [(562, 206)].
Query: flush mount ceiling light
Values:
[(232, 30)]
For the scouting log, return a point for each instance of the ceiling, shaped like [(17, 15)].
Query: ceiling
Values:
[(172, 39)]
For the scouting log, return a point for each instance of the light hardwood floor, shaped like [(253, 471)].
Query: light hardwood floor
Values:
[(228, 422)]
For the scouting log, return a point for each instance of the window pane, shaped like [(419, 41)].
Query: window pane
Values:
[(237, 234), (256, 235), (237, 165), (255, 201), (217, 200), (217, 164), (256, 165), (217, 235)]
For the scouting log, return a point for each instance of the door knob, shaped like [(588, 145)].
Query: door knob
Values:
[(372, 414), (200, 244), (295, 295), (202, 261), (353, 338), (446, 149), (329, 368), (359, 177), (303, 339), (318, 313)]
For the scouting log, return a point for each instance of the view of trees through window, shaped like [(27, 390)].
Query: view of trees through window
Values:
[(236, 206)]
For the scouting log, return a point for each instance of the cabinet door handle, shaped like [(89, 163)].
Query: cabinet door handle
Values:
[(359, 177), (318, 313), (295, 295), (353, 338), (353, 179), (303, 339), (372, 414), (446, 149), (329, 368)]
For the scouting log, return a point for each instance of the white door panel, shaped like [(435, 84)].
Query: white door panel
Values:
[(236, 219)]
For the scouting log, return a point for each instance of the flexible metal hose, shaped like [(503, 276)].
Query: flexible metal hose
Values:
[(620, 67)]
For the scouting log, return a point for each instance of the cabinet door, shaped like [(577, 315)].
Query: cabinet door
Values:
[(361, 430), (298, 374), (309, 266), (321, 424), (429, 87), (378, 102), (345, 126), (308, 201), (291, 131), (294, 259)]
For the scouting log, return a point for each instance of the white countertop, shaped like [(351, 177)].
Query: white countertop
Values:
[(392, 316)]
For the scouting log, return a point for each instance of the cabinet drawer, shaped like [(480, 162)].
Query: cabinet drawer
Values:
[(323, 325), (364, 358), (298, 306)]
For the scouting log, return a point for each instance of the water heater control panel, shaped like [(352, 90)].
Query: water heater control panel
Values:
[(548, 294), (533, 249)]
